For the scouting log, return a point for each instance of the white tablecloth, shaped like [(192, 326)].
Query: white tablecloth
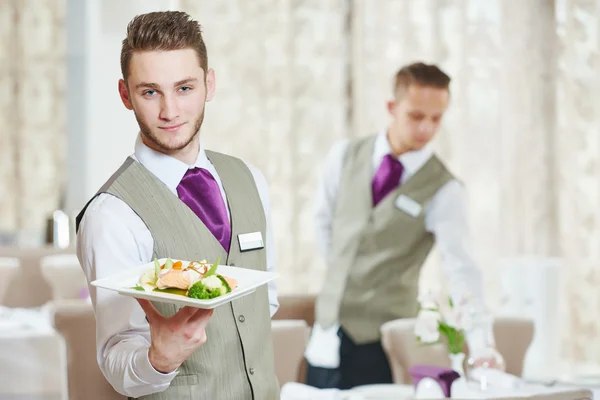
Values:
[(298, 391), (32, 356)]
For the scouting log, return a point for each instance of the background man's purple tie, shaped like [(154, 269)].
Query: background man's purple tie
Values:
[(387, 178), (200, 191)]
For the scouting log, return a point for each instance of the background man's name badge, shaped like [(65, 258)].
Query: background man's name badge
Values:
[(251, 241), (408, 205)]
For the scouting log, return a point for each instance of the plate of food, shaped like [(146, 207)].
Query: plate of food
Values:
[(186, 283)]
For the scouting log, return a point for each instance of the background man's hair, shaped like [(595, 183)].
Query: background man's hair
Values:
[(421, 74)]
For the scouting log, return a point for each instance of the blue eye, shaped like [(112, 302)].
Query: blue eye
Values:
[(185, 88), (149, 93)]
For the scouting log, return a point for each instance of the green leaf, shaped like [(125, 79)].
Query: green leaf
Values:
[(454, 337), (213, 268), (138, 287), (225, 284), (445, 329), (156, 267)]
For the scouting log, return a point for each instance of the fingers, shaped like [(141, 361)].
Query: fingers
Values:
[(193, 315), (201, 316), (152, 313), (185, 313), (199, 321)]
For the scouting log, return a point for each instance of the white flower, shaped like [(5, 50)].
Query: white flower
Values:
[(451, 316), (465, 319), (465, 300), (426, 326), (428, 300), (458, 315)]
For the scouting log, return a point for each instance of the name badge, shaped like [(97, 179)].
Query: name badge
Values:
[(251, 241), (408, 205)]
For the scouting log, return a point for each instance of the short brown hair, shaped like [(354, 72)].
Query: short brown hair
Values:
[(421, 74), (164, 30)]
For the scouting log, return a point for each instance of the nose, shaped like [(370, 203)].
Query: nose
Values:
[(169, 109), (427, 126)]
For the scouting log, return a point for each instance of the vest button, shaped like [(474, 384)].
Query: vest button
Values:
[(251, 371), (241, 318)]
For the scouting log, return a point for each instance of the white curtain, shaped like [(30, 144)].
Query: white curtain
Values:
[(576, 160), (294, 76), (32, 111)]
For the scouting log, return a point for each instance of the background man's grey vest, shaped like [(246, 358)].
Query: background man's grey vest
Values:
[(376, 254)]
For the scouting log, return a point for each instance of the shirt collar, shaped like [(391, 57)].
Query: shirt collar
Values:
[(167, 169)]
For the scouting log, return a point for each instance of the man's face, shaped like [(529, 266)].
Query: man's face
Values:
[(167, 91), (417, 112)]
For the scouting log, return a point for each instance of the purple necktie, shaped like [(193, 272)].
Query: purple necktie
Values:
[(387, 178), (200, 191)]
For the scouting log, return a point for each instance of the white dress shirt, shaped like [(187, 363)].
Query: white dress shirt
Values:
[(445, 218), (111, 238)]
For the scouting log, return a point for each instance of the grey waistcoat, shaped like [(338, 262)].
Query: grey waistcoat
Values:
[(376, 254), (237, 362)]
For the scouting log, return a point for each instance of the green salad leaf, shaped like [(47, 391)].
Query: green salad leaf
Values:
[(225, 284), (213, 268), (156, 267)]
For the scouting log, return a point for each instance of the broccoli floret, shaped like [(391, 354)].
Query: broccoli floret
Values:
[(198, 291), (201, 292)]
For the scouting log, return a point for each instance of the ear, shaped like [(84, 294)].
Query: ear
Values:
[(210, 84), (124, 93), (390, 106)]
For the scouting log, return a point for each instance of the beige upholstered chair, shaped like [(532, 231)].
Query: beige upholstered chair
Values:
[(297, 307), (400, 344), (513, 337), (289, 342), (75, 321), (64, 275), (28, 288), (9, 267)]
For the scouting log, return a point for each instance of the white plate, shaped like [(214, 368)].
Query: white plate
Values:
[(248, 280)]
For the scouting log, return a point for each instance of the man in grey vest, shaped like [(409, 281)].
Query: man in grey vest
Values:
[(382, 204), (172, 198)]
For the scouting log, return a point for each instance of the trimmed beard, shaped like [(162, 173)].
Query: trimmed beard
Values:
[(147, 132)]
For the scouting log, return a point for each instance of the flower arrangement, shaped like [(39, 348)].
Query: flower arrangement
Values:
[(437, 319)]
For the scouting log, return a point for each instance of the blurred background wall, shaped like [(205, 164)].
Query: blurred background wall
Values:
[(293, 76)]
